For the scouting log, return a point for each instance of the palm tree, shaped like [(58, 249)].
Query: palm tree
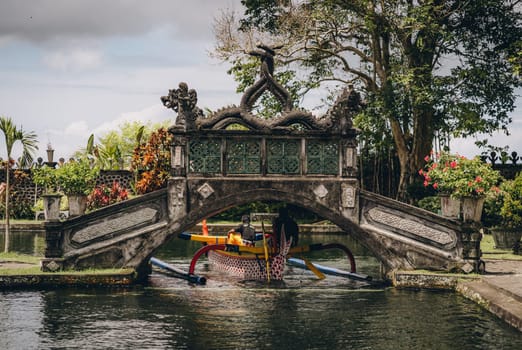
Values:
[(13, 134)]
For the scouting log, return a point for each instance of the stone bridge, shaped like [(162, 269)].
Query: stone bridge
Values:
[(233, 157)]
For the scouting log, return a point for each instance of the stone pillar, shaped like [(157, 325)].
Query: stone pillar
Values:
[(471, 252), (53, 247)]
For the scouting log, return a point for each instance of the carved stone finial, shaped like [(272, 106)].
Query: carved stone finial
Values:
[(347, 104), (266, 81), (183, 101)]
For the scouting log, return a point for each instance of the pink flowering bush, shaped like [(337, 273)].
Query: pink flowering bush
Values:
[(103, 196), (458, 176)]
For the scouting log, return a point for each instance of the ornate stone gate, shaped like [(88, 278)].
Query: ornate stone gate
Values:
[(234, 157)]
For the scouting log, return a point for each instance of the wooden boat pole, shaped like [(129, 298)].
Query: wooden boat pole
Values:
[(266, 253), (314, 269)]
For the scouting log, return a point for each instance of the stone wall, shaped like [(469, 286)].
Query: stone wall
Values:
[(26, 189)]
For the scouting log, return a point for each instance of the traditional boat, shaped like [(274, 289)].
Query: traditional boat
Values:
[(266, 262), (227, 254)]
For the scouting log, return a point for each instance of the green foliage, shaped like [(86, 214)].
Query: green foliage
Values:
[(22, 209), (511, 210), (430, 203), (458, 175), (394, 50), (115, 148), (45, 177), (491, 215), (77, 177), (14, 134)]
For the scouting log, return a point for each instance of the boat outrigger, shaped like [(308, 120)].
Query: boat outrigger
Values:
[(249, 261)]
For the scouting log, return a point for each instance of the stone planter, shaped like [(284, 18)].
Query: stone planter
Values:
[(449, 207), (472, 208), (51, 203), (77, 205), (506, 238)]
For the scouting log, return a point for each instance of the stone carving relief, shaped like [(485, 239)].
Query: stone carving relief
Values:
[(127, 221), (348, 196), (183, 101), (321, 191), (205, 190), (414, 228)]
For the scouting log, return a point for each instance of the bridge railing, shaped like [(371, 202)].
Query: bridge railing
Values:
[(248, 153)]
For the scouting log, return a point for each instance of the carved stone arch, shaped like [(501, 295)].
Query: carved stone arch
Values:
[(231, 200), (232, 115)]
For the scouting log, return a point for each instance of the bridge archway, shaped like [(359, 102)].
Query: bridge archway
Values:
[(301, 199)]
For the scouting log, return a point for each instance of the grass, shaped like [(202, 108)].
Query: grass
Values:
[(487, 245), (22, 221), (35, 270), (21, 258), (34, 267)]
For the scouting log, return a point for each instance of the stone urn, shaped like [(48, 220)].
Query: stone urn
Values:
[(449, 207), (505, 238), (77, 205), (472, 208), (51, 204)]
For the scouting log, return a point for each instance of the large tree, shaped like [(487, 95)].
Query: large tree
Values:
[(427, 67), (12, 135)]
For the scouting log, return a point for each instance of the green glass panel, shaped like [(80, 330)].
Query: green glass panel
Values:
[(283, 156), (322, 157), (204, 156), (244, 157)]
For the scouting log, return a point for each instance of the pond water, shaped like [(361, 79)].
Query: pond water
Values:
[(301, 312)]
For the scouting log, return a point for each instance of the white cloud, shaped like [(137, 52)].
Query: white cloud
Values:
[(77, 128), (76, 59), (151, 114)]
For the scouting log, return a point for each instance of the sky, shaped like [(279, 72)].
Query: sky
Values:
[(69, 69)]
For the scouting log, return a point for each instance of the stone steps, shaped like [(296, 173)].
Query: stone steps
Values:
[(504, 303)]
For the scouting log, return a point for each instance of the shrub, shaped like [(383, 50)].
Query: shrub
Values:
[(77, 177), (152, 161), (458, 175), (103, 196), (511, 210)]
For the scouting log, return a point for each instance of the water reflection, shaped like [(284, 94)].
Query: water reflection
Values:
[(301, 312), (234, 316), (25, 241)]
